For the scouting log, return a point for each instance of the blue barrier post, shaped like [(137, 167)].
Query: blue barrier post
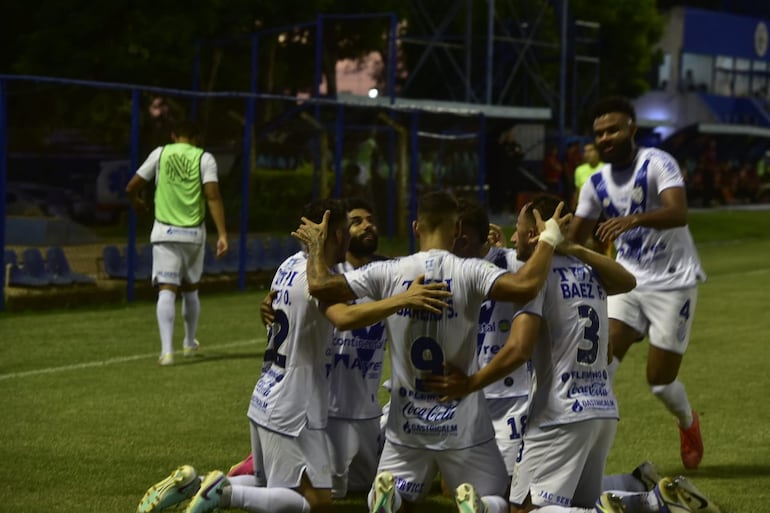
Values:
[(131, 248), (3, 175), (414, 165), (482, 157)]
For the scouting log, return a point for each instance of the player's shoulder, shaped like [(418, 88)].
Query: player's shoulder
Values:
[(659, 159)]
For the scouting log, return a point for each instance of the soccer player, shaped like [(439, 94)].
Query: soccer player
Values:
[(573, 414), (186, 180), (507, 398), (583, 172), (289, 406), (355, 375), (641, 192), (425, 436)]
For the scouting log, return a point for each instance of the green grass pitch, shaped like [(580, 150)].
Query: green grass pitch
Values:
[(88, 420)]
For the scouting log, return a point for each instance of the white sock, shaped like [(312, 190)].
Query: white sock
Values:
[(166, 312), (564, 509), (674, 397), (243, 480), (612, 368), (626, 482), (268, 500), (191, 308), (396, 500), (496, 504), (645, 502)]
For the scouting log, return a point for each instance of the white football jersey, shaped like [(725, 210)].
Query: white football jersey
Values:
[(570, 382), (293, 390), (494, 327), (356, 368), (423, 342), (659, 259)]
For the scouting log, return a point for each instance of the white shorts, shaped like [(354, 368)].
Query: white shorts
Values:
[(285, 458), (664, 316), (415, 469), (174, 263), (354, 447), (564, 465), (509, 418), (257, 458)]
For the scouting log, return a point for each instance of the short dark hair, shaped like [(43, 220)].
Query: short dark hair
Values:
[(186, 128), (613, 104), (338, 213), (475, 216), (545, 204), (434, 208), (356, 202)]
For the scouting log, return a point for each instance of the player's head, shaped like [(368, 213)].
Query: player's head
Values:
[(614, 125), (526, 226), (186, 130), (474, 230), (364, 236), (436, 211), (591, 154), (338, 234)]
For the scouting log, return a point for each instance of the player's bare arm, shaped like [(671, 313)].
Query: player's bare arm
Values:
[(515, 353), (614, 277), (580, 229), (525, 284), (134, 187), (266, 312), (322, 284), (217, 210), (419, 296), (672, 214)]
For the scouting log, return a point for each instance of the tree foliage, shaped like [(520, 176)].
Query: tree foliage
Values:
[(154, 43)]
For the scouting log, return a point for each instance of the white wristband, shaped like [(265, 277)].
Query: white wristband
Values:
[(552, 234)]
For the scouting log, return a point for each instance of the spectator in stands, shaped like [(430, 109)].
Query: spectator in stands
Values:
[(553, 170), (185, 178)]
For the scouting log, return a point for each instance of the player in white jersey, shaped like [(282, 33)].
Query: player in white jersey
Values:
[(641, 192), (289, 405), (507, 398), (356, 369), (185, 179), (573, 415), (425, 436)]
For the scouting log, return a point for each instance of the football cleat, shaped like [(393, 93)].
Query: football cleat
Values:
[(691, 443), (609, 503), (166, 359), (177, 487), (670, 497), (191, 350), (384, 489), (209, 494), (648, 474), (467, 501), (696, 500)]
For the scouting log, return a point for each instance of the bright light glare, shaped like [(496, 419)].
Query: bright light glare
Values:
[(373, 93)]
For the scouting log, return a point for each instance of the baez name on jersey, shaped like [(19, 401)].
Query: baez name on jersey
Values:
[(579, 281)]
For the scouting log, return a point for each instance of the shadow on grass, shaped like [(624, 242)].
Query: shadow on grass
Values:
[(729, 471), (213, 357)]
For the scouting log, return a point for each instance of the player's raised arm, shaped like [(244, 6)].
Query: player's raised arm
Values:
[(322, 284), (527, 281), (614, 277), (419, 296)]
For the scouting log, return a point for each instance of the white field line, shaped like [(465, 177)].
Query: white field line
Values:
[(112, 361)]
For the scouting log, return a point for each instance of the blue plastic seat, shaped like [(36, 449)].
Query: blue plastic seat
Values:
[(16, 276), (114, 263), (256, 258), (57, 265), (33, 264)]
